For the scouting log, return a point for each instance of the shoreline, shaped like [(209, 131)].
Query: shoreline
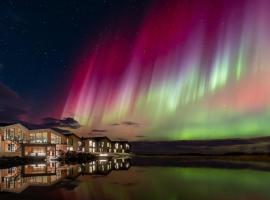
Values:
[(252, 162), (6, 162), (229, 156)]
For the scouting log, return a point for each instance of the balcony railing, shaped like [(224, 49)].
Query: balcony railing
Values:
[(13, 138)]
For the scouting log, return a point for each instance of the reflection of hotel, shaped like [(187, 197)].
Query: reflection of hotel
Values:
[(22, 140), (17, 179), (104, 166), (39, 169), (121, 164)]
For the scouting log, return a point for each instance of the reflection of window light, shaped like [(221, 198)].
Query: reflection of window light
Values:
[(103, 154), (39, 165)]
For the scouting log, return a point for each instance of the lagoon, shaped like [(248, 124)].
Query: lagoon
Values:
[(135, 178)]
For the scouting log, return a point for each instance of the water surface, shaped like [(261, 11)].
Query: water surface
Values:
[(117, 179)]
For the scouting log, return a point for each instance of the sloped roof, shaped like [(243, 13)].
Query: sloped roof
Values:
[(121, 141), (33, 126), (69, 134), (12, 124), (98, 138)]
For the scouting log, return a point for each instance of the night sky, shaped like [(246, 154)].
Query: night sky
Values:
[(138, 69), (40, 39)]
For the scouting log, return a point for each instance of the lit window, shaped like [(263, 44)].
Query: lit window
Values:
[(10, 134), (55, 139), (11, 147)]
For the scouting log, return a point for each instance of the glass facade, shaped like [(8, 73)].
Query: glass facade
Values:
[(12, 134), (55, 139), (92, 146), (11, 147), (20, 135), (38, 137), (9, 134)]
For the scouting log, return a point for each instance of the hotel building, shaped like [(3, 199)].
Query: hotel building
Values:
[(121, 147), (18, 140), (105, 145), (97, 145), (37, 141), (74, 142)]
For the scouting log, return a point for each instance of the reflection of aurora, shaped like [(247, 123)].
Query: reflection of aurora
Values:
[(183, 179), (195, 71), (156, 182)]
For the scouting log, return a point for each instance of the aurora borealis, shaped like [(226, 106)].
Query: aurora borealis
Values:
[(189, 70), (139, 69)]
